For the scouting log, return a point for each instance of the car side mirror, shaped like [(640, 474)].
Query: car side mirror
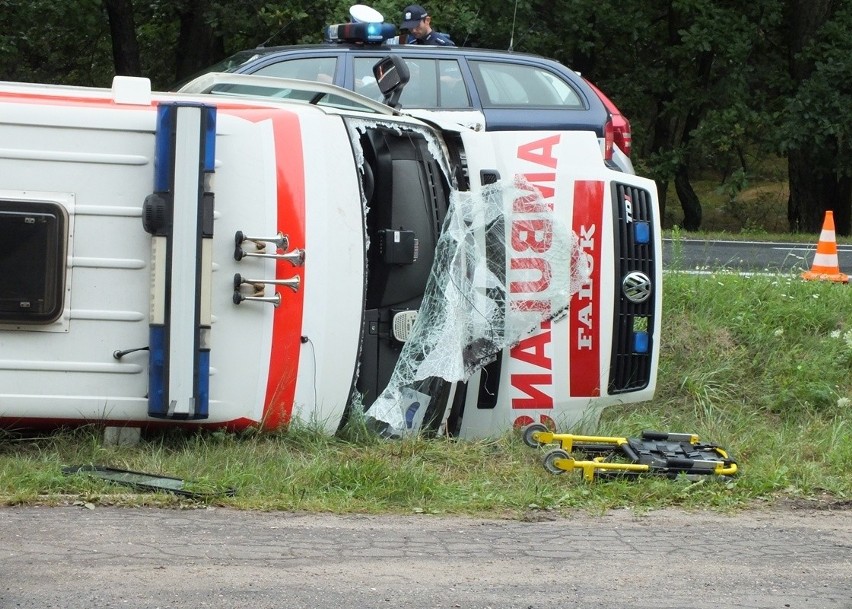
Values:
[(391, 75)]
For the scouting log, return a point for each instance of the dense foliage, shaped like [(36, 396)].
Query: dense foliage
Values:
[(708, 85)]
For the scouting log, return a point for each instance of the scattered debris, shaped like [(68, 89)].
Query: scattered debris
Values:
[(146, 482)]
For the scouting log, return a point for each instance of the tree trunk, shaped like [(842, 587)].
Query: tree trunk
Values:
[(659, 140), (662, 195), (671, 129), (843, 209), (198, 45), (125, 47), (812, 194), (812, 191), (689, 201)]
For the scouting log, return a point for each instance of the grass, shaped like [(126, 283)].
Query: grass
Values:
[(760, 365)]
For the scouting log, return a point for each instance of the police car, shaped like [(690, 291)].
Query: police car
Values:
[(484, 89)]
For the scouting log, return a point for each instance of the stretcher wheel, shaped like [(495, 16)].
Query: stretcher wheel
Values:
[(550, 458), (528, 431)]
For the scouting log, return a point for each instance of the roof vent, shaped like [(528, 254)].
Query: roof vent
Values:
[(131, 90)]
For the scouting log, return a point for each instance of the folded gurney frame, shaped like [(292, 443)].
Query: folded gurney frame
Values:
[(654, 453)]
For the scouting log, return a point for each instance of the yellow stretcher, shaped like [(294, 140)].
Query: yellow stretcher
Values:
[(654, 453)]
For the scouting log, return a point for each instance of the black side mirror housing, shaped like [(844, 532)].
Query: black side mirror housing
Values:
[(391, 75)]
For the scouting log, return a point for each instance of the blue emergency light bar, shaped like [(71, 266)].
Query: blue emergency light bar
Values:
[(179, 216), (374, 33)]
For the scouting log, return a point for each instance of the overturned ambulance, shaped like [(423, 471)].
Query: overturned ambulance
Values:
[(269, 250)]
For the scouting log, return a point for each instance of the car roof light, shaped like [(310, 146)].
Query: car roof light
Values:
[(361, 13), (369, 33)]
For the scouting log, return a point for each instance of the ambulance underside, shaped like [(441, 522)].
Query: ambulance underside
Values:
[(260, 263)]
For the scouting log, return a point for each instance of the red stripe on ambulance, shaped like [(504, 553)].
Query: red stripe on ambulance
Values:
[(287, 324), (287, 319), (585, 309)]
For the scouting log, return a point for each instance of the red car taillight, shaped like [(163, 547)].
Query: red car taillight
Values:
[(619, 125), (609, 139), (623, 138)]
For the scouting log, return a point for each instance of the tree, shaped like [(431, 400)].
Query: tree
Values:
[(198, 43), (814, 134), (702, 65), (125, 48), (708, 86), (686, 72), (48, 41)]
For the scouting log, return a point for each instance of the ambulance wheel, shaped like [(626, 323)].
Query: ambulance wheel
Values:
[(528, 434), (550, 458)]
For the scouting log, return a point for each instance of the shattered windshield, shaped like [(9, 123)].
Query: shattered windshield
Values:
[(470, 311)]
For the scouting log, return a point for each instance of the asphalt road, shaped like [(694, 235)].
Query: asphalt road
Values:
[(750, 256), (69, 557)]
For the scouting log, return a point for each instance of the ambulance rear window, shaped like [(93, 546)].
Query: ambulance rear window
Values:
[(32, 261)]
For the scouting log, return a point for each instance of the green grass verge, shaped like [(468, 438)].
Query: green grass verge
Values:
[(759, 365)]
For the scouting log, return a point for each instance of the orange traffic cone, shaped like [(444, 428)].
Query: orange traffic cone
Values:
[(826, 266)]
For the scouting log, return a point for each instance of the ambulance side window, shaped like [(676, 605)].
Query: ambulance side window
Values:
[(33, 238)]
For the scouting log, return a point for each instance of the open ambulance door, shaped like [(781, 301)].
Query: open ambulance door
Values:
[(407, 196)]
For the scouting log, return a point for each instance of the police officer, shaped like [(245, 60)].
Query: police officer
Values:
[(417, 21)]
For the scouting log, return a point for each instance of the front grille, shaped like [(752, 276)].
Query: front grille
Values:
[(630, 371)]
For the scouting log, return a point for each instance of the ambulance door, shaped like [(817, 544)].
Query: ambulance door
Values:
[(406, 202)]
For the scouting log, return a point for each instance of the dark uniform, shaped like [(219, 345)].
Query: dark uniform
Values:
[(433, 37), (413, 20)]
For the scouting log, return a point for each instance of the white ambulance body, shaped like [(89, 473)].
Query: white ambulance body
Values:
[(235, 261)]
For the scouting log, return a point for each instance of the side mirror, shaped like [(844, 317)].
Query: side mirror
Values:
[(391, 75)]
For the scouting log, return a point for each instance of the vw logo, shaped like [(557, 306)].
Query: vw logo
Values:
[(636, 287)]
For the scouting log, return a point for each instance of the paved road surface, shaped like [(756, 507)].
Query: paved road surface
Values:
[(69, 557), (752, 256)]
